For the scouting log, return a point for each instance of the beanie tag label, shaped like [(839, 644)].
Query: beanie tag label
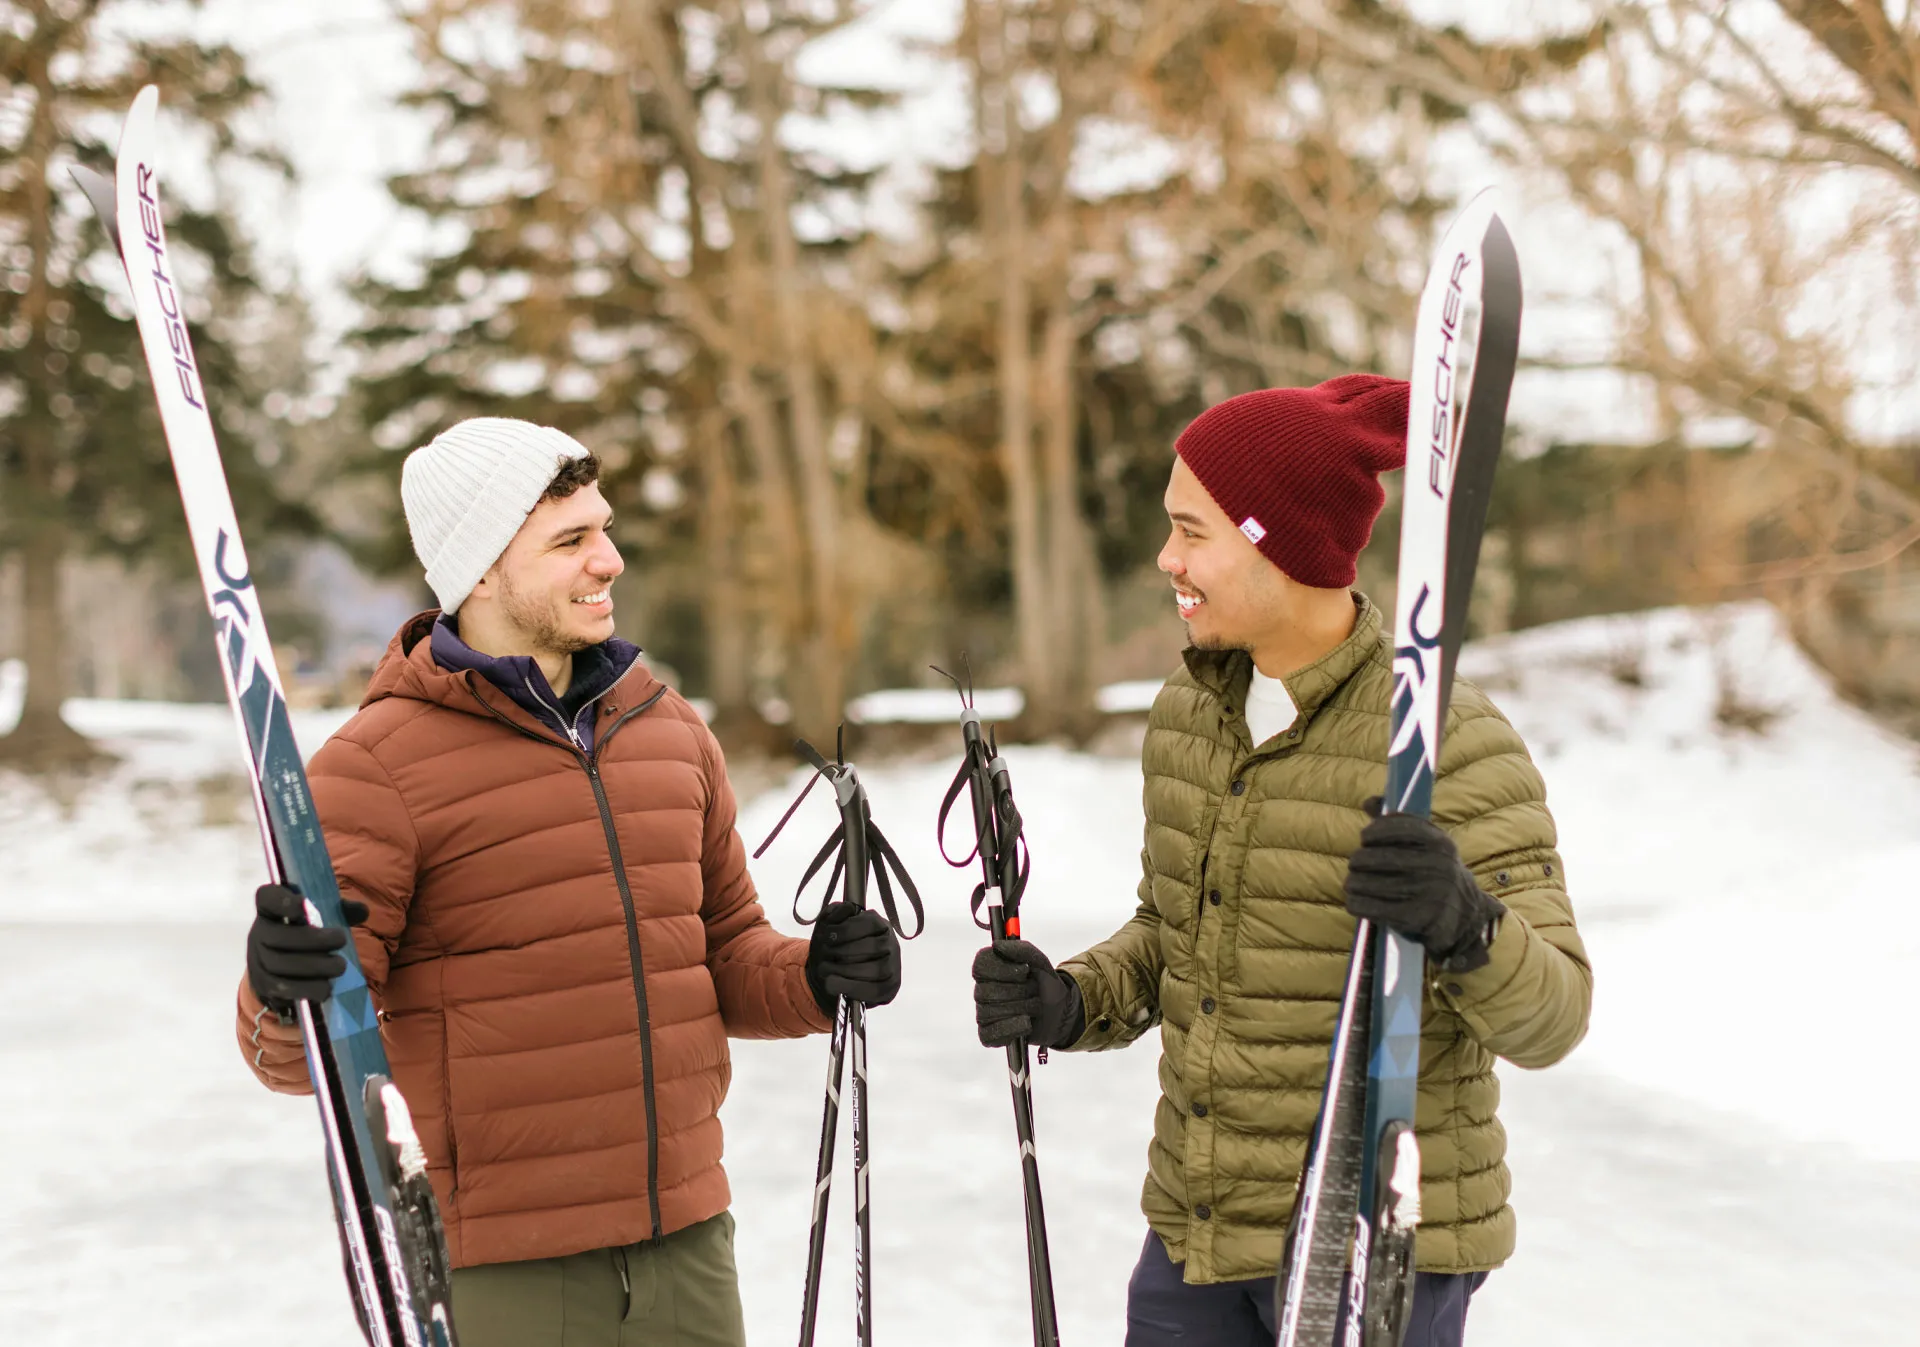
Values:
[(1252, 528)]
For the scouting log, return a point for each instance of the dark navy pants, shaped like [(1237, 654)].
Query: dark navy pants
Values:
[(1163, 1311)]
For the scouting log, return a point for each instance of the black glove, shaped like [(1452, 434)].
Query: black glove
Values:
[(1017, 993), (1407, 876), (854, 953), (288, 962)]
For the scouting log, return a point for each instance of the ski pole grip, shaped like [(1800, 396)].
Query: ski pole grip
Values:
[(846, 786), (970, 732)]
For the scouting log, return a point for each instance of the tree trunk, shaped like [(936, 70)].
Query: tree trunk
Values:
[(723, 602), (818, 695), (727, 321), (775, 498), (1079, 610), (1003, 198), (42, 740)]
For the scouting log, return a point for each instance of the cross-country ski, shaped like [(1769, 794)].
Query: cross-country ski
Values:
[(1350, 1253), (389, 1230)]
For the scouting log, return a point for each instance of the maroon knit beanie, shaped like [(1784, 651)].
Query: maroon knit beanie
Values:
[(1296, 469)]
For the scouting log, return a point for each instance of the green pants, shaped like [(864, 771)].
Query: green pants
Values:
[(679, 1291)]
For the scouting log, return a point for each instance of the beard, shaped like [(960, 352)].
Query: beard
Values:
[(1240, 610), (538, 621)]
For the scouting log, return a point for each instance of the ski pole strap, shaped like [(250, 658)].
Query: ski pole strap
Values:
[(962, 779), (886, 870), (813, 757), (885, 858), (836, 847), (976, 902), (1015, 861), (986, 839), (970, 771), (799, 800)]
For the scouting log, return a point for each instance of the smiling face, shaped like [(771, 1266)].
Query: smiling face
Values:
[(1230, 596), (550, 592)]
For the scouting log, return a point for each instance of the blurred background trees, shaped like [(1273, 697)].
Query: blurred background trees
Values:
[(1750, 170), (859, 413), (884, 324), (83, 467)]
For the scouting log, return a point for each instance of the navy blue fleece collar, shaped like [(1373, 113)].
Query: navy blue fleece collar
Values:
[(595, 670)]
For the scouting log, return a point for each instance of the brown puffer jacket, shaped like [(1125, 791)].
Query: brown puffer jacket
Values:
[(567, 1100)]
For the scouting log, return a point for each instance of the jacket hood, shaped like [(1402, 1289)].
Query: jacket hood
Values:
[(408, 670)]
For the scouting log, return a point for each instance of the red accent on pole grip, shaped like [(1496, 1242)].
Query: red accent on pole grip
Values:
[(1013, 928)]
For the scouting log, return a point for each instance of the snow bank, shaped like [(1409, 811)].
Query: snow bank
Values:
[(931, 706), (1746, 895), (934, 706)]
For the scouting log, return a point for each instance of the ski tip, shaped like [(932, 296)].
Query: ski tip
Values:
[(1484, 216), (145, 103), (1476, 218), (1487, 198), (98, 189), (1503, 256), (136, 133)]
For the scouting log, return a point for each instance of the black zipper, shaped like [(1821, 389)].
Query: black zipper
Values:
[(590, 761), (633, 957)]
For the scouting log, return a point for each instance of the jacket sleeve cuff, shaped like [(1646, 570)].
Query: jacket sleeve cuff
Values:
[(1101, 1027), (274, 1051), (1508, 951), (817, 1021)]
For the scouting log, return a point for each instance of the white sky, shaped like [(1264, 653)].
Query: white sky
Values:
[(336, 72)]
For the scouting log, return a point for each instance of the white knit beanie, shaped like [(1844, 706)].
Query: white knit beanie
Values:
[(468, 492)]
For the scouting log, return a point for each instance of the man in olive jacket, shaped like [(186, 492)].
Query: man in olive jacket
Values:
[(1261, 756)]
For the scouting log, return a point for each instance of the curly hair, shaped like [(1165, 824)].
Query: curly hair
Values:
[(574, 474)]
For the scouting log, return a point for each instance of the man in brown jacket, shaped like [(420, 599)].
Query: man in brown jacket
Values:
[(536, 841)]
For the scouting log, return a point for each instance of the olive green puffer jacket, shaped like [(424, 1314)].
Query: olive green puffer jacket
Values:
[(1240, 944)]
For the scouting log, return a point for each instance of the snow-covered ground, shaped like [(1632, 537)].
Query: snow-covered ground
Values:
[(1723, 1161)]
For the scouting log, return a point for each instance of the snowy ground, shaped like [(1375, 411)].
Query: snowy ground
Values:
[(1723, 1161)]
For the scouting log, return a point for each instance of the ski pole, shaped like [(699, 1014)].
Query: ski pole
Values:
[(1000, 845), (858, 851), (823, 1176)]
